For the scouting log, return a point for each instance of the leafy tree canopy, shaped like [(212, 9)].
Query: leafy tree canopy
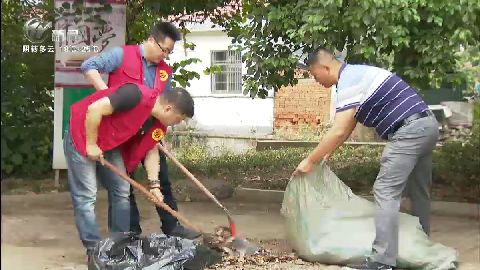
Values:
[(417, 39)]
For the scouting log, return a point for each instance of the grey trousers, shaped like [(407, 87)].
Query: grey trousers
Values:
[(406, 165)]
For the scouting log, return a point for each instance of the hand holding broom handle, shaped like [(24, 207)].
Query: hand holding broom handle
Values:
[(150, 196)]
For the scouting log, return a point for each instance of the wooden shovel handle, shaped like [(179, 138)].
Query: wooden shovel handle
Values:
[(150, 196), (193, 178)]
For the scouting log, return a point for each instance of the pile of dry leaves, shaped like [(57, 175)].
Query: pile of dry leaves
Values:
[(264, 259), (241, 256)]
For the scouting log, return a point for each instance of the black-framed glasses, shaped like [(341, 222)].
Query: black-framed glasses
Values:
[(167, 51)]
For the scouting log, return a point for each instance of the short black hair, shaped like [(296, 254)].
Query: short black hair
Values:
[(165, 29), (313, 56), (181, 100)]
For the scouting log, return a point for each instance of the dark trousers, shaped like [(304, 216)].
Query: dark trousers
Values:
[(168, 221)]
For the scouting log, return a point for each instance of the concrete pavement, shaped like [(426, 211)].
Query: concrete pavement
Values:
[(38, 231)]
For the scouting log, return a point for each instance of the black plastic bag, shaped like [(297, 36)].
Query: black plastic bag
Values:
[(204, 257), (127, 251)]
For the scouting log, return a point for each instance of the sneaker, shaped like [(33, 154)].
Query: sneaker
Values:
[(368, 265), (182, 232)]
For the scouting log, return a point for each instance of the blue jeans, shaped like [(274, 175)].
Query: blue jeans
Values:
[(83, 174)]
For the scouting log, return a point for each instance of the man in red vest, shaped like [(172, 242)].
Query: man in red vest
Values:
[(121, 124), (143, 64)]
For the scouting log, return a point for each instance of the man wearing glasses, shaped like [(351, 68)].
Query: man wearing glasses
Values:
[(143, 64)]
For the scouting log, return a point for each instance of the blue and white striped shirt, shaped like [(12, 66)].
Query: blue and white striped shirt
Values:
[(383, 99)]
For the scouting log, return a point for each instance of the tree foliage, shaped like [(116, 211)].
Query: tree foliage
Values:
[(27, 100), (27, 78), (417, 39)]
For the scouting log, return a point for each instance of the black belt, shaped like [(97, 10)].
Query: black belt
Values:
[(411, 118)]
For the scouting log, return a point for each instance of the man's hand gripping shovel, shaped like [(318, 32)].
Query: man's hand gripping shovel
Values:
[(240, 245)]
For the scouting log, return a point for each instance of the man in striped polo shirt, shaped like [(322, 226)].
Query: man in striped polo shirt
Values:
[(380, 99)]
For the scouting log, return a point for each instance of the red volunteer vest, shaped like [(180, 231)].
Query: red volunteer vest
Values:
[(114, 129), (135, 149), (131, 70)]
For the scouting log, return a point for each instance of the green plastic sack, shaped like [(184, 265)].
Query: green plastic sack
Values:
[(327, 223)]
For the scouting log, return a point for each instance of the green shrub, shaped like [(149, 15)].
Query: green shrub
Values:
[(357, 166), (199, 160), (26, 151), (458, 162)]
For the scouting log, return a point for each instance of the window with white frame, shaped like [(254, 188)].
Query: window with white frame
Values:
[(229, 80)]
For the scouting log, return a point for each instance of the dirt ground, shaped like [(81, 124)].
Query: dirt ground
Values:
[(38, 231)]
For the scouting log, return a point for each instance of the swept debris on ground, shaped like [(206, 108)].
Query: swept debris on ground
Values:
[(276, 258), (266, 259)]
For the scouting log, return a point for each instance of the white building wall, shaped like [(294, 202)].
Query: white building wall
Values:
[(233, 116), (222, 114)]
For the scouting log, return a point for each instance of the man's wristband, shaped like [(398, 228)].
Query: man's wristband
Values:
[(154, 183)]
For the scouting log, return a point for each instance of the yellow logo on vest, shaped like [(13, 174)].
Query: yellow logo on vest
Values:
[(163, 75), (158, 134)]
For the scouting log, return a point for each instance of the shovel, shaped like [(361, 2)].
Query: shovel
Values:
[(151, 197), (241, 245)]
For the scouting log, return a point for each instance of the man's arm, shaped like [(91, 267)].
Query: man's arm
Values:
[(93, 77), (123, 99), (342, 128), (105, 62), (340, 131), (95, 112), (152, 166)]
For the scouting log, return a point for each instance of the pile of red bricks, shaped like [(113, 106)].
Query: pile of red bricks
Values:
[(305, 103)]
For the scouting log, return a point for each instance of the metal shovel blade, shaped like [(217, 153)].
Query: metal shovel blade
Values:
[(244, 247)]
